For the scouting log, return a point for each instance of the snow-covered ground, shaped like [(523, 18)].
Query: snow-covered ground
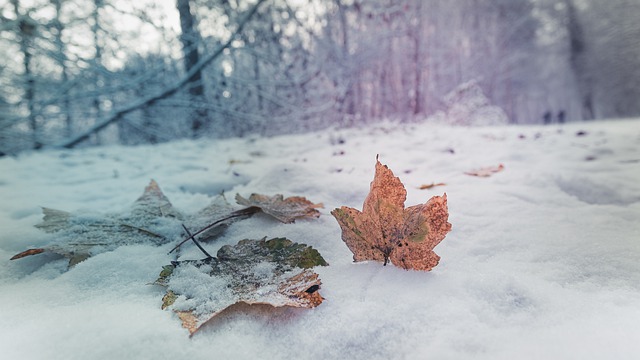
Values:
[(543, 261)]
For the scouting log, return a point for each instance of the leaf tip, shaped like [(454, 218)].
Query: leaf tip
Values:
[(153, 187), (27, 253)]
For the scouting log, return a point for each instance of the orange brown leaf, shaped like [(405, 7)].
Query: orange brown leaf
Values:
[(386, 231), (430, 186), (485, 171)]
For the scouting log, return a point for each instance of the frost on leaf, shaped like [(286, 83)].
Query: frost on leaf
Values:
[(151, 219), (153, 204), (386, 231), (275, 272), (285, 210)]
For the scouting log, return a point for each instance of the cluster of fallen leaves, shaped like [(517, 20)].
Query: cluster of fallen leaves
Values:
[(277, 272), (149, 220)]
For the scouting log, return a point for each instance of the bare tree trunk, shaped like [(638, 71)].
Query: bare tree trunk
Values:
[(348, 105), (579, 60), (27, 30), (61, 59), (256, 68), (418, 103), (97, 66), (190, 39), (95, 29)]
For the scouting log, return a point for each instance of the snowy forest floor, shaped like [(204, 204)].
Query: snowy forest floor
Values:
[(543, 261)]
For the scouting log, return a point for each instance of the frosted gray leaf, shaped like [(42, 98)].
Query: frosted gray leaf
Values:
[(274, 272), (151, 219)]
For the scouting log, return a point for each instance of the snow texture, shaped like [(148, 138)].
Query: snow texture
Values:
[(542, 261)]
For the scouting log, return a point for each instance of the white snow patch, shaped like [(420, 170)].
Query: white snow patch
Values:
[(199, 291), (542, 260)]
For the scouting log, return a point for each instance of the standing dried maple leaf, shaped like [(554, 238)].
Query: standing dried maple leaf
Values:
[(285, 210), (386, 231), (274, 272)]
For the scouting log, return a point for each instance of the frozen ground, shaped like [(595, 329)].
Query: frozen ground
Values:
[(543, 261)]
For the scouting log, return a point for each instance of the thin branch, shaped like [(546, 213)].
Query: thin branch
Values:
[(148, 232), (119, 113), (192, 237), (243, 212)]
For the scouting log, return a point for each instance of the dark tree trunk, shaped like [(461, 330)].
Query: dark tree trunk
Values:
[(418, 103), (190, 39), (347, 103), (27, 30), (61, 59), (578, 59)]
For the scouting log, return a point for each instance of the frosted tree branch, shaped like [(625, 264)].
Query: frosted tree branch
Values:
[(117, 114)]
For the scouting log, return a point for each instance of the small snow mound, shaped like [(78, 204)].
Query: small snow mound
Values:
[(468, 105)]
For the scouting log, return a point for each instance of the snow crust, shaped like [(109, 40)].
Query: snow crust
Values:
[(543, 261)]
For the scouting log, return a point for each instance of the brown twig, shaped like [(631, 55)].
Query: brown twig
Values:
[(243, 212), (192, 237)]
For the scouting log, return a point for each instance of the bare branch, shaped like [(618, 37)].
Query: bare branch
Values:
[(117, 114)]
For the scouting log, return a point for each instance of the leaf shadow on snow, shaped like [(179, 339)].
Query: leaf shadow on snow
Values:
[(595, 193), (506, 299), (264, 316)]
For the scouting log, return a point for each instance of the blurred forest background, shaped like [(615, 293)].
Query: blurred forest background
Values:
[(86, 72)]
